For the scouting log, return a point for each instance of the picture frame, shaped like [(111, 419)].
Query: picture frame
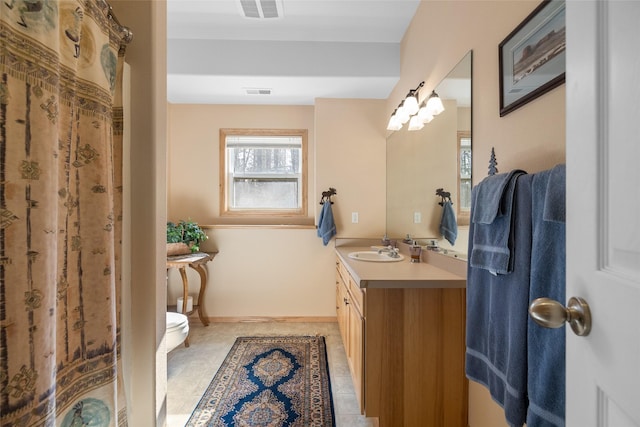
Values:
[(532, 57)]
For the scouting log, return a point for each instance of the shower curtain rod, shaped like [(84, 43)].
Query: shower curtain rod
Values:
[(127, 34)]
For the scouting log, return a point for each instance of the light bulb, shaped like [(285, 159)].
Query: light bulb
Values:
[(424, 115), (415, 123), (434, 104), (410, 104), (402, 115), (394, 123)]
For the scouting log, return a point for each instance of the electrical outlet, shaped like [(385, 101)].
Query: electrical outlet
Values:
[(354, 217), (417, 217)]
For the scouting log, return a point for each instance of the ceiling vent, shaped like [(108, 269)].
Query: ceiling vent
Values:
[(261, 8), (257, 91)]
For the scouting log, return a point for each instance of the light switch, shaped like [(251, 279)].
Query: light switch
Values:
[(417, 217), (354, 217)]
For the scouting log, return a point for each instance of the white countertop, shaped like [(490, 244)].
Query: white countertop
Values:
[(399, 274)]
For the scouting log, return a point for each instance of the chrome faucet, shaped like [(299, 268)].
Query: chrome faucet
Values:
[(391, 251)]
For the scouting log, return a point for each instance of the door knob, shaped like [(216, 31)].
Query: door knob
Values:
[(552, 314)]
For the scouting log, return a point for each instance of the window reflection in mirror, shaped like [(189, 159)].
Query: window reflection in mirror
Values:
[(437, 156), (464, 176)]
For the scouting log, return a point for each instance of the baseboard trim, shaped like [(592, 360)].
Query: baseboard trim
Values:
[(273, 319)]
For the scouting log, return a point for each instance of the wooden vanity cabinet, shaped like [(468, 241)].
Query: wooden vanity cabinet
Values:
[(405, 348), (349, 310)]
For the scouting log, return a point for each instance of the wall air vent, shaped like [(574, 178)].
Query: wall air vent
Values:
[(257, 91), (261, 8)]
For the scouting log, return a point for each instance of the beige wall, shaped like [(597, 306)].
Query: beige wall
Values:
[(531, 138), (350, 157), (276, 272)]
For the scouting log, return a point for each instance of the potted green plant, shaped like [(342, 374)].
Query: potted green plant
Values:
[(184, 237)]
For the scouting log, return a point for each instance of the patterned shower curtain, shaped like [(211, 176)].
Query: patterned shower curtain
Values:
[(60, 214)]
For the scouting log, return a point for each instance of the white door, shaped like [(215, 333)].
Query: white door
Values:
[(603, 210)]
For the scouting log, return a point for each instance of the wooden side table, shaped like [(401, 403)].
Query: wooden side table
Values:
[(196, 261)]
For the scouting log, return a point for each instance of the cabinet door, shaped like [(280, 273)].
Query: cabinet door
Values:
[(351, 324), (342, 312), (355, 355)]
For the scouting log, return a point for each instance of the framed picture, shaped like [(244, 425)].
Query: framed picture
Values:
[(532, 57)]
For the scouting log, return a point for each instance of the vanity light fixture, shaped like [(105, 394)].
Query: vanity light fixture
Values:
[(417, 114), (434, 104), (410, 110)]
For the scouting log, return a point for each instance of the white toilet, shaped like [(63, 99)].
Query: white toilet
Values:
[(177, 329)]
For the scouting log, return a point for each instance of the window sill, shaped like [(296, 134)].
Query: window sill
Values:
[(302, 223)]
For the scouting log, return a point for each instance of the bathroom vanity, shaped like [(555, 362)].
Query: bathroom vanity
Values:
[(403, 327)]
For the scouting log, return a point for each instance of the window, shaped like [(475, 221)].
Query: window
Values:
[(464, 174), (263, 172)]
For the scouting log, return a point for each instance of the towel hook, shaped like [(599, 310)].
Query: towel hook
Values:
[(326, 195), (445, 196)]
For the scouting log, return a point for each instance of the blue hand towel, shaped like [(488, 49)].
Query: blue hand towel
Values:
[(448, 223), (326, 225), (546, 347), (492, 212), (496, 331)]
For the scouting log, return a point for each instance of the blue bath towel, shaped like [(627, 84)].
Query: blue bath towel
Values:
[(491, 193), (448, 223), (554, 204), (492, 215), (546, 347), (496, 331), (326, 225)]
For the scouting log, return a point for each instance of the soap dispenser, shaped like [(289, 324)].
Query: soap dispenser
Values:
[(415, 250)]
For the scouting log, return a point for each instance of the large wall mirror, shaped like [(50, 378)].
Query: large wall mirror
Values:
[(437, 156)]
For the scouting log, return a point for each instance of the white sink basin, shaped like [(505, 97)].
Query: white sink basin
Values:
[(374, 256)]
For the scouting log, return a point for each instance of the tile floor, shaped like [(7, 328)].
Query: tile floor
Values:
[(191, 369)]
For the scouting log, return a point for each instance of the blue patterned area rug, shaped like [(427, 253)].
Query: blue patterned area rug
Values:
[(270, 382)]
